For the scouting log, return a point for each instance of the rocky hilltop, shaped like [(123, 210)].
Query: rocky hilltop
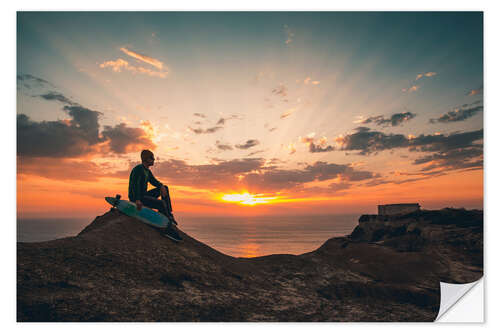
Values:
[(118, 269)]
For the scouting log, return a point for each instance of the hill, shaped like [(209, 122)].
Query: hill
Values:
[(118, 269)]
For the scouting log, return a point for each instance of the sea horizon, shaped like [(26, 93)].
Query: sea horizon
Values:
[(243, 236)]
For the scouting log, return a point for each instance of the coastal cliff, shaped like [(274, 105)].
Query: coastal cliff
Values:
[(118, 269)]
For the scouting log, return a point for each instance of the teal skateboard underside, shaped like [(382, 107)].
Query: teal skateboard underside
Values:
[(145, 215)]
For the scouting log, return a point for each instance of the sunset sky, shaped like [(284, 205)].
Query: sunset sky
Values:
[(250, 113)]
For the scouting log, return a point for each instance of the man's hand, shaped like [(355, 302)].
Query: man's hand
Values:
[(163, 190), (138, 203)]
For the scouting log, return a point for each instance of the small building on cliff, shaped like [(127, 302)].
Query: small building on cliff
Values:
[(397, 209)]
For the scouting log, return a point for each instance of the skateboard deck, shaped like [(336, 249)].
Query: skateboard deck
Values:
[(145, 215)]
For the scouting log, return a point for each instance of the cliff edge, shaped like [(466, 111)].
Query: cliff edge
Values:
[(118, 269)]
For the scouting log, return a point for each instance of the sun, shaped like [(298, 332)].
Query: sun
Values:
[(247, 198)]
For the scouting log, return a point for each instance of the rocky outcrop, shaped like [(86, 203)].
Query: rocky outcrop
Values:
[(118, 269)]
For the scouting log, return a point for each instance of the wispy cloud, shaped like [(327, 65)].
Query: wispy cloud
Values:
[(428, 74), (201, 115), (308, 80), (289, 34), (141, 57), (249, 144), (474, 92), (206, 130), (411, 89), (223, 146), (414, 87), (120, 64), (287, 113), (281, 90)]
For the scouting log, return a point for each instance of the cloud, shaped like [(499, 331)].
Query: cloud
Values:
[(411, 89), (278, 179), (281, 90), (116, 65), (55, 96), (120, 64), (367, 141), (395, 119), (453, 151), (474, 92), (256, 152), (428, 74), (320, 146), (223, 120), (289, 34), (313, 148), (222, 146), (201, 115), (458, 114), (205, 131), (29, 80), (77, 136), (287, 113), (124, 139), (149, 60), (52, 138), (249, 144)]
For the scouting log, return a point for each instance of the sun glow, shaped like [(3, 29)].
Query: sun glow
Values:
[(247, 198)]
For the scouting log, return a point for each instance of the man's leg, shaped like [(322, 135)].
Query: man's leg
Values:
[(155, 193)]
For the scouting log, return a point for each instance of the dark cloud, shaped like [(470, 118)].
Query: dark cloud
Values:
[(281, 90), (367, 141), (223, 120), (445, 143), (28, 80), (77, 136), (395, 120), (124, 139), (223, 146), (205, 131), (255, 152), (277, 179), (201, 115), (454, 159), (453, 151), (55, 96), (459, 114), (54, 138), (249, 144), (313, 148)]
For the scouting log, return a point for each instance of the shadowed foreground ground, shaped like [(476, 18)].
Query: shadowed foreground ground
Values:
[(118, 269)]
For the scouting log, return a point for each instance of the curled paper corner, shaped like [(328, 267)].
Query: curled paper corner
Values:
[(451, 294)]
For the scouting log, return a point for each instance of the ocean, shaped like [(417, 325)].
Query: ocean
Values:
[(234, 236)]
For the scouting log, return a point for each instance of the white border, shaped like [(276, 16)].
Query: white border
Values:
[(492, 110)]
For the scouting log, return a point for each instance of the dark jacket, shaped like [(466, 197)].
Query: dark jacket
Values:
[(138, 182)]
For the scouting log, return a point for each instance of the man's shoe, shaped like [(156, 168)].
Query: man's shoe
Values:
[(172, 234)]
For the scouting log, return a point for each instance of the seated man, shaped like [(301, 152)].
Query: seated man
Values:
[(137, 191)]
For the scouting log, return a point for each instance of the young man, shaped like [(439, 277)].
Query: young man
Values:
[(140, 176)]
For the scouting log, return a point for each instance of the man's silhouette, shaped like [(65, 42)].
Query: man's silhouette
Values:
[(138, 192)]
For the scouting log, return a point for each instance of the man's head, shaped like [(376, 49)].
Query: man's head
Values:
[(147, 157)]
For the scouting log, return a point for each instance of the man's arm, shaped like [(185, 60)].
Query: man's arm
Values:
[(153, 180)]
